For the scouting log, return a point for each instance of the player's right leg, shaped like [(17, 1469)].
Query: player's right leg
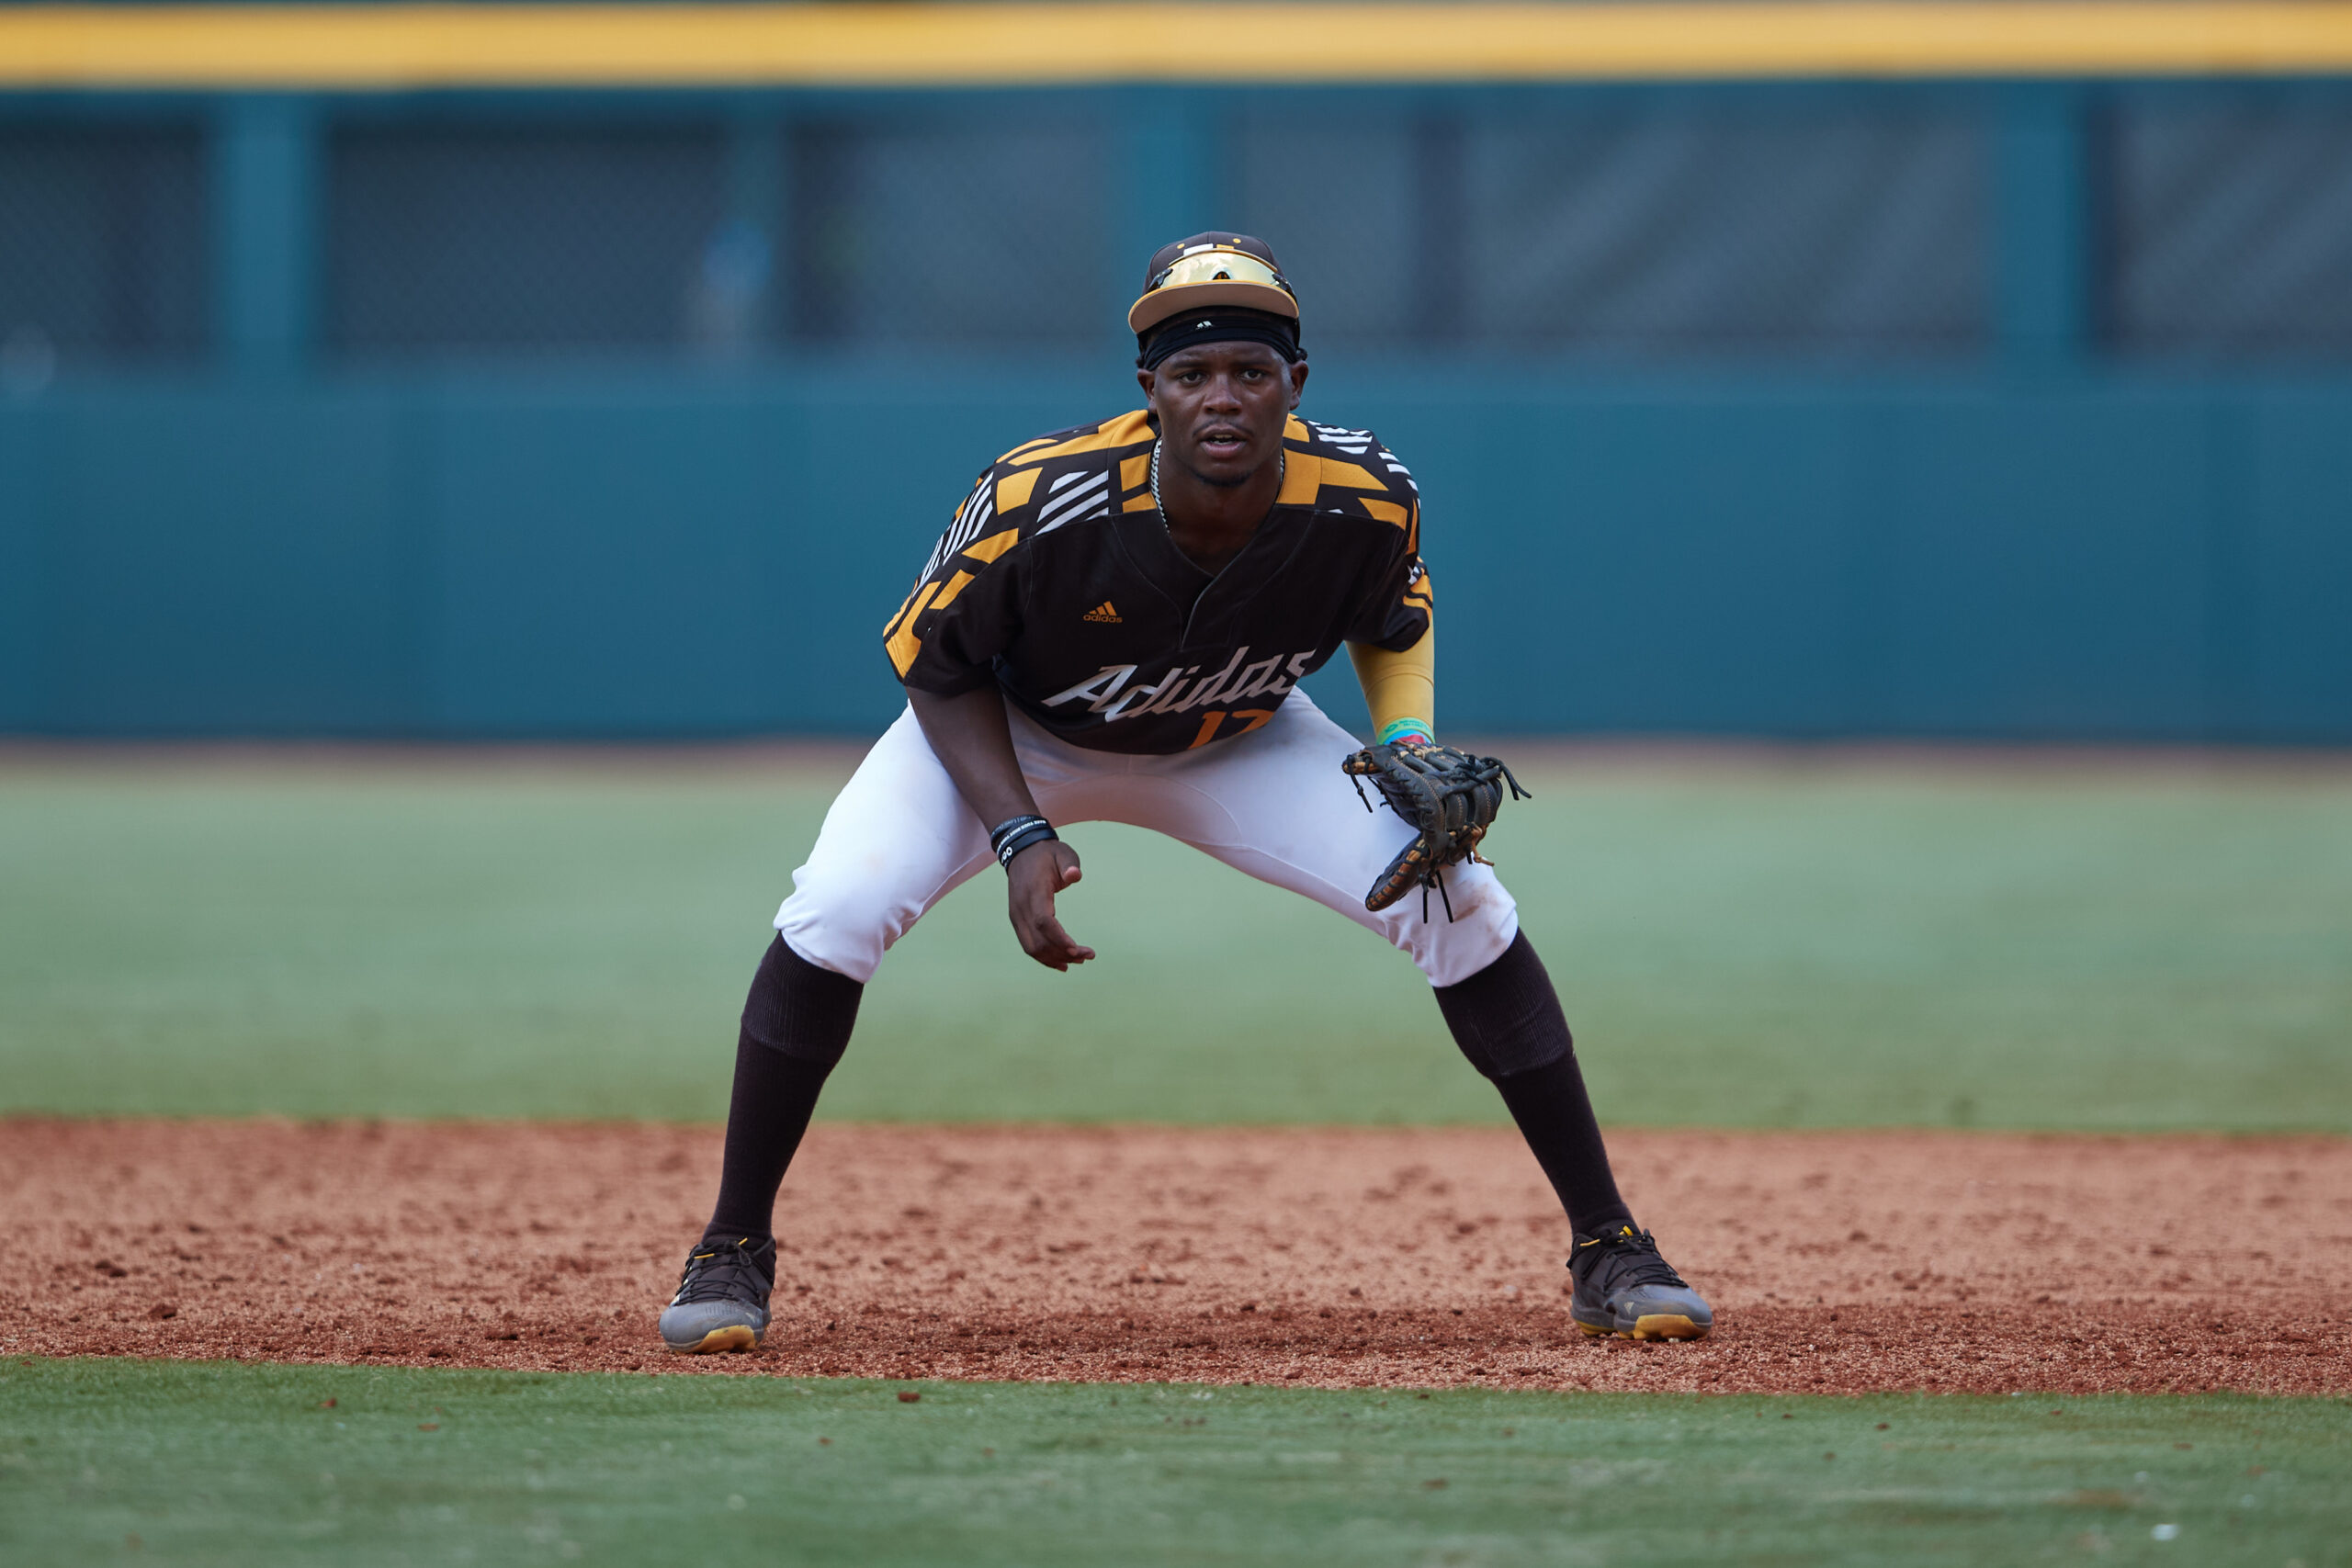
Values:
[(899, 838)]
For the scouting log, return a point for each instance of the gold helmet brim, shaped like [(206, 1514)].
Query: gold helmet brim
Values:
[(1212, 276)]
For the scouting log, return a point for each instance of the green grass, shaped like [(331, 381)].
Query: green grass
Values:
[(246, 1464), (1773, 944)]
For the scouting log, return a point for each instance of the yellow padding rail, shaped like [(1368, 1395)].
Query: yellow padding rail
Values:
[(369, 47)]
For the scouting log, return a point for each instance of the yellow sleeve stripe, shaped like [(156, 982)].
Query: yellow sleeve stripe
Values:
[(1336, 472), (1302, 481), (903, 644), (1387, 510), (1124, 430), (995, 545), (955, 584)]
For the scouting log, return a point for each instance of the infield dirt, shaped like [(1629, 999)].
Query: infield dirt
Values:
[(1837, 1261)]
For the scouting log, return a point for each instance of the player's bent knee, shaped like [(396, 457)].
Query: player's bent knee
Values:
[(1447, 951), (840, 926), (1507, 1018), (799, 1008)]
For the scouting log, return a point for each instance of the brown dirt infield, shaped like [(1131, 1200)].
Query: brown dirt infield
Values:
[(1838, 1262)]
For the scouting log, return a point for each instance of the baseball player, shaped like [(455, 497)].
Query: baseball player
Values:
[(1113, 628)]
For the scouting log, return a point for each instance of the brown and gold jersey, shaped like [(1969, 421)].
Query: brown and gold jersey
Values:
[(1058, 580)]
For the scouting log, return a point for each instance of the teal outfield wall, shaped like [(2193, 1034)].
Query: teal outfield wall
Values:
[(2057, 553), (2058, 532)]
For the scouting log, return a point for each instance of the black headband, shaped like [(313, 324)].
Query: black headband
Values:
[(1221, 325)]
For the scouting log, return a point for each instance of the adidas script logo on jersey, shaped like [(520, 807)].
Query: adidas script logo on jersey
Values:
[(1114, 691), (1103, 612)]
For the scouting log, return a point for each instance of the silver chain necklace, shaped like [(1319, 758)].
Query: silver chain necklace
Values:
[(1282, 472)]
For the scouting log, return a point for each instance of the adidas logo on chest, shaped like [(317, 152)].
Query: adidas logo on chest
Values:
[(1103, 613)]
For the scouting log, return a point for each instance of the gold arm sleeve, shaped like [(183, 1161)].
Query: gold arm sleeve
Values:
[(1400, 688)]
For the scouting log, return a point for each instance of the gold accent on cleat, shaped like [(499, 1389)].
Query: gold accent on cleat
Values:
[(1589, 1332), (1665, 1326), (737, 1336)]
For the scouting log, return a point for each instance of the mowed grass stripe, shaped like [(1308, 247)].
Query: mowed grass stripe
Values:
[(1832, 943), (212, 1462)]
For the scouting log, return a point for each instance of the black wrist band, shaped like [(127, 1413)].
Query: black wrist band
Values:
[(1024, 839), (1011, 825), (1009, 839)]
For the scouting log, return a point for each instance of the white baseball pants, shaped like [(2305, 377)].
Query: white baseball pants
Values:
[(1272, 803)]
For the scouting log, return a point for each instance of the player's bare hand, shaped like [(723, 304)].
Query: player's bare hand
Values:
[(1035, 875)]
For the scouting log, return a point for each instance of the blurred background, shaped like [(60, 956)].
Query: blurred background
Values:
[(604, 376), (1751, 395)]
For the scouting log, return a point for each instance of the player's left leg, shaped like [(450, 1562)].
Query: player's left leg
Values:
[(1274, 803)]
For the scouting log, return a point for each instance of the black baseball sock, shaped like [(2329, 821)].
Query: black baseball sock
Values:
[(1507, 1019), (796, 1024), (1555, 1115)]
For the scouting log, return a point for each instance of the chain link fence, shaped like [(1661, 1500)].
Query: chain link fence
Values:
[(102, 249), (974, 234), (1656, 231), (723, 242), (490, 240), (1634, 229), (2231, 229)]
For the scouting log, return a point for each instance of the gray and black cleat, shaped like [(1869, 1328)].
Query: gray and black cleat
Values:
[(1623, 1287), (722, 1300)]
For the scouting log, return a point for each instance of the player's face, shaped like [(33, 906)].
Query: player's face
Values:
[(1222, 407)]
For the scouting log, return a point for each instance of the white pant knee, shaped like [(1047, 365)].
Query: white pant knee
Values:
[(1485, 919), (835, 924), (898, 839)]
